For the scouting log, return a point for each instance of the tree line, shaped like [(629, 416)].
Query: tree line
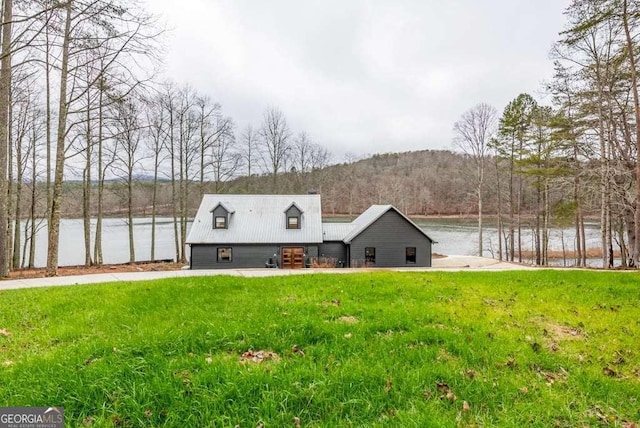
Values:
[(81, 97), (577, 155)]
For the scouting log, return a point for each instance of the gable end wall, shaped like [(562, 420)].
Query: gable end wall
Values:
[(390, 235)]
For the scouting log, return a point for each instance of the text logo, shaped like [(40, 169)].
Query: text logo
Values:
[(31, 417)]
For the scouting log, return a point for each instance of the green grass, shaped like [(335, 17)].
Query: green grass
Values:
[(543, 348)]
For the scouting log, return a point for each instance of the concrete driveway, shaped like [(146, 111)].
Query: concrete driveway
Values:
[(449, 263)]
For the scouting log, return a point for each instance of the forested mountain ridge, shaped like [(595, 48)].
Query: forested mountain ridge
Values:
[(418, 182), (426, 182)]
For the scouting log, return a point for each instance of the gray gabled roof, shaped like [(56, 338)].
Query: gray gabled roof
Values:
[(336, 231), (258, 219), (226, 207), (372, 214)]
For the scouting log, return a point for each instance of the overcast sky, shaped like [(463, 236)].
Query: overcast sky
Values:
[(362, 76)]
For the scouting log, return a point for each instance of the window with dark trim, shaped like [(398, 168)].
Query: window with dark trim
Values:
[(220, 222), (224, 254), (293, 222), (370, 254), (410, 255)]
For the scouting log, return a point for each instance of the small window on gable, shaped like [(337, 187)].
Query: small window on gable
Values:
[(410, 255), (293, 222), (224, 254), (220, 222)]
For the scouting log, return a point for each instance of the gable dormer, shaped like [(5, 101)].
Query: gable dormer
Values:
[(221, 216), (293, 217)]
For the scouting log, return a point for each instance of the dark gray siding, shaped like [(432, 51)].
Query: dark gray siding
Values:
[(219, 211), (293, 211), (337, 250), (204, 256), (390, 235)]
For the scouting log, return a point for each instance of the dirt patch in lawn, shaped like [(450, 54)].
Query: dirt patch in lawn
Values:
[(258, 357), (563, 332), (348, 319)]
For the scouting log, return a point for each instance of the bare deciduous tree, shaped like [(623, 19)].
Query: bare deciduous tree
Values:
[(5, 90), (473, 132), (275, 140)]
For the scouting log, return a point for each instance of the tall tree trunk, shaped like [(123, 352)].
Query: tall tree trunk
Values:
[(47, 74), (584, 240), (511, 205), (86, 189), (578, 205), (519, 207), (132, 250), (54, 219), (621, 241), (154, 201), (636, 108), (17, 231), (174, 191), (11, 184), (5, 88), (546, 215), (97, 245), (499, 202), (480, 238), (182, 155), (538, 240), (32, 213), (481, 164)]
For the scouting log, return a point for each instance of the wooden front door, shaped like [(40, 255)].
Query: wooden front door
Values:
[(292, 258)]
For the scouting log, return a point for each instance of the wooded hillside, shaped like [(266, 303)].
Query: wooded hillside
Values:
[(80, 99)]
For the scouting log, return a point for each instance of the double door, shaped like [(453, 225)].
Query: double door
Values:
[(292, 258)]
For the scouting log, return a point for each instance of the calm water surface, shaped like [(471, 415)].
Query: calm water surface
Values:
[(453, 236)]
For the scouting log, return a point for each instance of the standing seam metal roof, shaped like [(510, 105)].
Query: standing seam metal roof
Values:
[(258, 219), (372, 214), (336, 231)]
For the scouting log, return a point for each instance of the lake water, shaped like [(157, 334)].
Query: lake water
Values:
[(115, 241), (453, 236), (460, 237)]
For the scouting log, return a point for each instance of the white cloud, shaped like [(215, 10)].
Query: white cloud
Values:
[(362, 76)]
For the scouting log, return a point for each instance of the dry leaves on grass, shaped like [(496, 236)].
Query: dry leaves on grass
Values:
[(348, 319), (607, 416), (445, 391), (551, 378), (4, 332), (258, 357)]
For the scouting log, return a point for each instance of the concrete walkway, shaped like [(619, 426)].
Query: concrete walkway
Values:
[(449, 263)]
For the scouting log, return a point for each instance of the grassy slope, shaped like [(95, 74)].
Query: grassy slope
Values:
[(521, 348)]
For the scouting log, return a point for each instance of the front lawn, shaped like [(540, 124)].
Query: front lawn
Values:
[(540, 348)]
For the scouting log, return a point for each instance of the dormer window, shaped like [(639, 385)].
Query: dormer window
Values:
[(221, 214), (293, 216), (220, 222), (293, 222)]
